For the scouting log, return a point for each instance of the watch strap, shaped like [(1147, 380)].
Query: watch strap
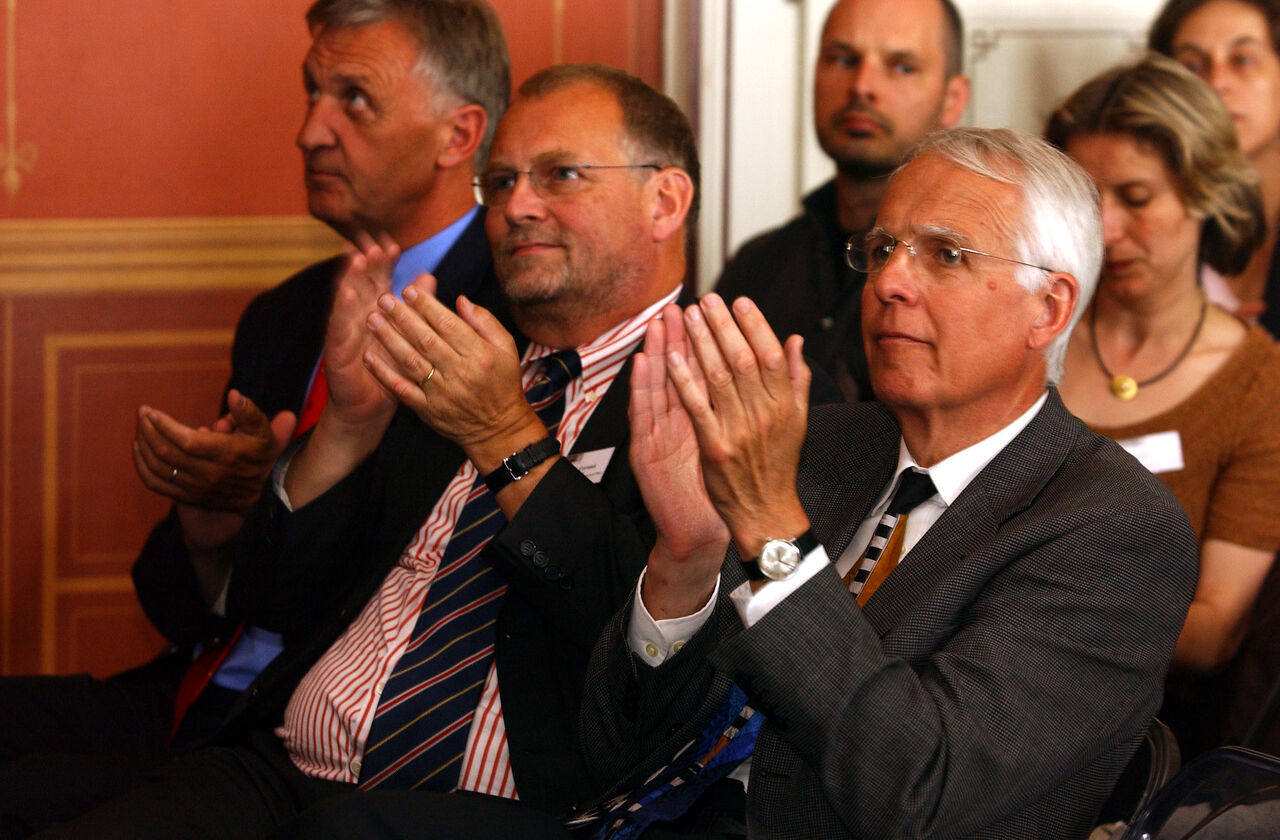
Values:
[(517, 465), (806, 542)]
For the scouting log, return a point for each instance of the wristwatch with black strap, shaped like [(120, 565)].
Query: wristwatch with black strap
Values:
[(517, 465)]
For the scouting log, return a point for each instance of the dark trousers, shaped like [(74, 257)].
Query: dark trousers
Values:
[(421, 815), (219, 793), (255, 791), (70, 743)]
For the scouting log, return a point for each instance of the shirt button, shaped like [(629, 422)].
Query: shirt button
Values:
[(355, 767), (591, 396), (377, 690), (652, 650), (676, 647)]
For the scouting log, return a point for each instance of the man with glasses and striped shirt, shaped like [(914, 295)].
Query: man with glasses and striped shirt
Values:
[(443, 549)]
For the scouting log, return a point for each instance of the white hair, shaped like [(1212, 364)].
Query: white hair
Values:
[(1062, 223)]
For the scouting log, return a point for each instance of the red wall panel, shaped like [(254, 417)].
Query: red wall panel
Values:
[(156, 188), (148, 108)]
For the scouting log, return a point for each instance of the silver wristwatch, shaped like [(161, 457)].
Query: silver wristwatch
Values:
[(779, 558)]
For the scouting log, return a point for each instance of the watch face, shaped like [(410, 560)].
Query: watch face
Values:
[(779, 559)]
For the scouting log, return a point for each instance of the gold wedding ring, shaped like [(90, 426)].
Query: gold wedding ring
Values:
[(423, 383)]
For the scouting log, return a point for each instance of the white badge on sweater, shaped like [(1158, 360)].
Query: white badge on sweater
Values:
[(1160, 452)]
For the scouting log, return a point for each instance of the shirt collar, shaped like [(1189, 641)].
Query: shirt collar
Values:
[(953, 473), (426, 256), (601, 356)]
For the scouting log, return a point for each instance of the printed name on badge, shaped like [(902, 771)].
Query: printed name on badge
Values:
[(593, 464)]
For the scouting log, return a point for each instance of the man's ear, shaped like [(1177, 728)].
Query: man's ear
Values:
[(463, 131), (955, 98), (1059, 300), (671, 196)]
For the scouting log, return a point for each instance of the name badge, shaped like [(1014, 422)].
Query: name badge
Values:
[(1160, 452), (593, 464)]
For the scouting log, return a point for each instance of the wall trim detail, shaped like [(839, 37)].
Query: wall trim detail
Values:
[(17, 156), (60, 256), (55, 344)]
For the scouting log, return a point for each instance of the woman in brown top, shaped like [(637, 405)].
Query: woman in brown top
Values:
[(1187, 387)]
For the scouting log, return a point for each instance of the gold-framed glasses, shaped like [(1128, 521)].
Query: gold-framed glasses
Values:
[(936, 254), (548, 179)]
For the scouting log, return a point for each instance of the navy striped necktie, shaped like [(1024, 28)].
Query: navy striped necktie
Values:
[(419, 731)]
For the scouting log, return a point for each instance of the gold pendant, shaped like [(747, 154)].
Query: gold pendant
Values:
[(1124, 387)]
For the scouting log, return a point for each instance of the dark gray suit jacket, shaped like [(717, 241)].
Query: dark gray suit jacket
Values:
[(996, 684)]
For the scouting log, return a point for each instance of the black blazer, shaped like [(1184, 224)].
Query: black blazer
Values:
[(570, 557), (996, 684)]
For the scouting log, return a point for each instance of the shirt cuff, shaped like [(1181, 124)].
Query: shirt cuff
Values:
[(654, 641), (752, 606), (281, 469)]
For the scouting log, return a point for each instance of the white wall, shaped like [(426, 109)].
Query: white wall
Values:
[(744, 69)]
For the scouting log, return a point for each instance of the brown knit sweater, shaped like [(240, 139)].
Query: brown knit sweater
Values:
[(1230, 431)]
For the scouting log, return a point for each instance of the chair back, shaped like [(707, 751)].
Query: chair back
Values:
[(1155, 763), (1230, 792)]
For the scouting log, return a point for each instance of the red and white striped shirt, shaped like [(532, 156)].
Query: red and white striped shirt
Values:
[(330, 713)]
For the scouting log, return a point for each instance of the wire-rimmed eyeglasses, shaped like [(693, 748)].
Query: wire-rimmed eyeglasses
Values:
[(548, 179), (942, 257)]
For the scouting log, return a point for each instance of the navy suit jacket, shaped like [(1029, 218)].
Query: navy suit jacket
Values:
[(277, 342)]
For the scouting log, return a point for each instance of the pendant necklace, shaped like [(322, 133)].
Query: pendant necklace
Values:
[(1123, 386)]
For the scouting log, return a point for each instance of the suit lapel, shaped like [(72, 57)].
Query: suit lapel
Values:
[(1005, 487), (836, 505), (609, 416)]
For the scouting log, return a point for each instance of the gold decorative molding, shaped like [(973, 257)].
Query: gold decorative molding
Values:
[(17, 156), (60, 256), (52, 586)]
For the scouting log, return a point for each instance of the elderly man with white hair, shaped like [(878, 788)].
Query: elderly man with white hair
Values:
[(947, 615)]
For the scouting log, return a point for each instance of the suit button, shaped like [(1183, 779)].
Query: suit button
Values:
[(554, 573), (528, 547), (566, 582), (540, 559)]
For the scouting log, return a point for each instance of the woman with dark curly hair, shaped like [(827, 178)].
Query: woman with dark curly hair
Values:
[(1185, 385)]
